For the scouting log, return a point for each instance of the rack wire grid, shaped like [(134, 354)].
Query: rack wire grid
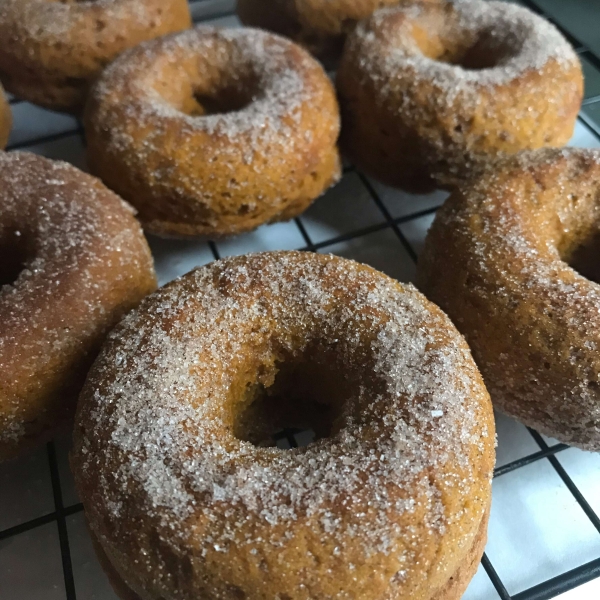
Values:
[(544, 535)]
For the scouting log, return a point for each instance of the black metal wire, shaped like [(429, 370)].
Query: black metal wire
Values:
[(356, 233), (527, 460), (309, 243), (54, 137), (214, 250), (562, 583), (595, 127), (23, 527), (543, 591), (388, 217), (61, 523), (494, 578), (587, 509)]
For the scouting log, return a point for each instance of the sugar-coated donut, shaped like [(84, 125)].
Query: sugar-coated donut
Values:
[(5, 120), (513, 260), (437, 91), (453, 590), (51, 51), (321, 26), (214, 131), (186, 498), (73, 259)]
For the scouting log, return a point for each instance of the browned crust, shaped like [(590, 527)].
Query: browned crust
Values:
[(122, 590), (55, 316), (411, 134), (321, 26), (458, 583), (452, 590), (54, 67), (145, 547), (496, 260), (206, 185), (5, 120)]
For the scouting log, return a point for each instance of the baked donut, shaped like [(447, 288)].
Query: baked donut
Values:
[(182, 487), (320, 26), (51, 51), (73, 259), (5, 120), (214, 131), (437, 91), (513, 260)]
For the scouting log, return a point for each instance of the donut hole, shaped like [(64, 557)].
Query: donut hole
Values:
[(195, 94), (479, 56), (14, 253), (226, 95), (585, 257), (486, 51), (295, 395), (223, 101)]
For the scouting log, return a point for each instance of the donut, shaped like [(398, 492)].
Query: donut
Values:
[(321, 26), (185, 493), (73, 260), (213, 132), (5, 120), (432, 93), (513, 260), (453, 590), (51, 51)]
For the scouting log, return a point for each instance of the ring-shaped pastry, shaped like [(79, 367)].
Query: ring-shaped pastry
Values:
[(438, 91), (321, 26), (51, 51), (73, 260), (186, 497), (213, 132), (513, 260)]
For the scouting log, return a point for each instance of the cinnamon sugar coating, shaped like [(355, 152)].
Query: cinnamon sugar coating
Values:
[(513, 260), (392, 503), (432, 93), (214, 132), (453, 589), (52, 51), (73, 260), (321, 26)]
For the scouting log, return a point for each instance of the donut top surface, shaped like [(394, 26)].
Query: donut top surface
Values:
[(411, 446), (528, 220), (459, 46), (215, 131), (51, 51), (73, 258), (522, 246), (50, 19), (271, 79), (309, 21)]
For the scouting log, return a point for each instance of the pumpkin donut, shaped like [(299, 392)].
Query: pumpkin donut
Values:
[(212, 132), (73, 259), (184, 491), (321, 26), (5, 119), (51, 51), (513, 260), (438, 91)]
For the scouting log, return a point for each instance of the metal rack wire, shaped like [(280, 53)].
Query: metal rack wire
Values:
[(216, 9)]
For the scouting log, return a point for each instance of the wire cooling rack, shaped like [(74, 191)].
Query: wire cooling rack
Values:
[(544, 536)]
